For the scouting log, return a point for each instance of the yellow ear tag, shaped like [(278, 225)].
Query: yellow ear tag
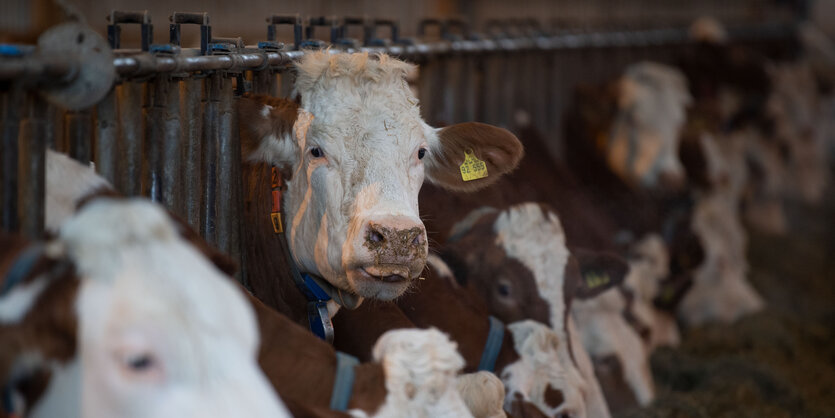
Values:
[(472, 168)]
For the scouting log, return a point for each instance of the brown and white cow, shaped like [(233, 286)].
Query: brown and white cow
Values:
[(517, 261), (353, 153), (121, 314)]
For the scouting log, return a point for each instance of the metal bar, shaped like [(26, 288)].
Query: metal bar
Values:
[(171, 148), (131, 138), (156, 118), (32, 168), (78, 134), (191, 94), (229, 183), (211, 135), (107, 134), (50, 67), (12, 104)]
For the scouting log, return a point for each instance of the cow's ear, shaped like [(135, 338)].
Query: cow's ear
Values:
[(485, 151), (591, 273), (272, 130)]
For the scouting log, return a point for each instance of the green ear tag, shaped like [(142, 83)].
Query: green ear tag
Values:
[(595, 280), (472, 168)]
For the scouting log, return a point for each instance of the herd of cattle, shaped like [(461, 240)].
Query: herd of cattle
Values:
[(483, 303)]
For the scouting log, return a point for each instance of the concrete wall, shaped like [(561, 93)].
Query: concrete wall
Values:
[(246, 17)]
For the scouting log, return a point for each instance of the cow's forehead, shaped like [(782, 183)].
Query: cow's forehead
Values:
[(534, 236), (130, 255)]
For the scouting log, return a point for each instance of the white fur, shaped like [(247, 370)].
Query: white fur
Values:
[(18, 302), (796, 110), (643, 279), (540, 366), (483, 393), (145, 291), (67, 182), (420, 368), (652, 103), (63, 394), (605, 332)]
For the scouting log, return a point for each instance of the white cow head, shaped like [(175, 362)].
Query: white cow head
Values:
[(356, 153), (643, 147), (162, 332)]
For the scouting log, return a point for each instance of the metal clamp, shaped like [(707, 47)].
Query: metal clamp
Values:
[(201, 19), (395, 33), (312, 23), (119, 17), (347, 22), (225, 46), (424, 23), (460, 24), (294, 20)]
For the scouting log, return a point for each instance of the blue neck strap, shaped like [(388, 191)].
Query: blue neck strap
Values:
[(21, 268), (343, 384), (493, 345), (317, 306)]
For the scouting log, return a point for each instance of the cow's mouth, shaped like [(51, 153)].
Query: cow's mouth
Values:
[(391, 278), (387, 273), (384, 282)]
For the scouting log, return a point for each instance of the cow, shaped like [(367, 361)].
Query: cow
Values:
[(720, 291), (121, 314), (349, 157), (582, 295)]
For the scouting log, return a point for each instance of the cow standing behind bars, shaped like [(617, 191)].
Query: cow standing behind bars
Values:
[(352, 156)]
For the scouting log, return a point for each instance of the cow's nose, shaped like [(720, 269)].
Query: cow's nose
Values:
[(395, 233)]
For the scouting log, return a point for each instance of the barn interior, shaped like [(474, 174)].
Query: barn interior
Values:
[(638, 119)]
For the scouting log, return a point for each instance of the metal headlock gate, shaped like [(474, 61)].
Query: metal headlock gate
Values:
[(159, 121)]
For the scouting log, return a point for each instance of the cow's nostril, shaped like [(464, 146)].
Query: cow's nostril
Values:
[(375, 236), (417, 240)]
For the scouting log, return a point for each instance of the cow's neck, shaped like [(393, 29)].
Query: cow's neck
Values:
[(435, 303), (270, 270)]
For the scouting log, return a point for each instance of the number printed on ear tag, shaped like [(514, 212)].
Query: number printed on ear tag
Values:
[(472, 168)]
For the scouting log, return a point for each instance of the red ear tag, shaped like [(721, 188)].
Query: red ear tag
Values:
[(276, 183)]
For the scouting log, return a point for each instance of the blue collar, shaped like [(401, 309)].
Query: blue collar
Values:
[(317, 306), (492, 346), (343, 384)]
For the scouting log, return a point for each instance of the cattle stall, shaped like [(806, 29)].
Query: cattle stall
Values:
[(158, 120), (156, 114)]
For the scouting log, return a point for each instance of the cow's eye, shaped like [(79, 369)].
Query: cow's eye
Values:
[(503, 288), (421, 153), (316, 152), (140, 362)]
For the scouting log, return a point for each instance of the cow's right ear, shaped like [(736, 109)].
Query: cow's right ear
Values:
[(590, 273), (272, 130)]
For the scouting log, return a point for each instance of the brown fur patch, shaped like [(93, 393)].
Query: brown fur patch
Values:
[(255, 128), (553, 397), (497, 147), (49, 328)]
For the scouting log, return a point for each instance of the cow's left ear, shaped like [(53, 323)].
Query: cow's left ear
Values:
[(591, 273), (486, 153)]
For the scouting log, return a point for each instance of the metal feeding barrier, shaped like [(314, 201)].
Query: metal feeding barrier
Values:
[(159, 120)]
